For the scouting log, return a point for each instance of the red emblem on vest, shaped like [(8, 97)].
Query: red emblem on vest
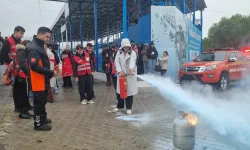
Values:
[(33, 60)]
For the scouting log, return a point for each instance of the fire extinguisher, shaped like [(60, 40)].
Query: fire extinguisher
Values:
[(123, 87)]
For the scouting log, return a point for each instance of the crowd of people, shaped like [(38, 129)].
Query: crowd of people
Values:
[(146, 60), (33, 66)]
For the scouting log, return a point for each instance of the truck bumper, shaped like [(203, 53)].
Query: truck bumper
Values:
[(208, 77)]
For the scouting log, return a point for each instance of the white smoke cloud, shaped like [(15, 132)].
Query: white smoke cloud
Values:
[(226, 113)]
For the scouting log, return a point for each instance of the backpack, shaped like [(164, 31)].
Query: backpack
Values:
[(22, 61)]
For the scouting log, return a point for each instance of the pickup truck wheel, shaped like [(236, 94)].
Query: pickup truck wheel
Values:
[(224, 82)]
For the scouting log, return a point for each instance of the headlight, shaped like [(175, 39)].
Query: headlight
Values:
[(212, 67), (183, 68)]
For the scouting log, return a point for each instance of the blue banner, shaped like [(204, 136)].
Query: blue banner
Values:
[(194, 41)]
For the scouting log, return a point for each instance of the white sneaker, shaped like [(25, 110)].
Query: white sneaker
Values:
[(91, 102), (84, 102), (115, 110), (129, 112)]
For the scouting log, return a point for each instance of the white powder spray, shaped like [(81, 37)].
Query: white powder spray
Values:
[(226, 113)]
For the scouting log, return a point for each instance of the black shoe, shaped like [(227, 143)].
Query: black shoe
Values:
[(30, 108), (43, 127), (48, 121), (24, 116), (29, 114)]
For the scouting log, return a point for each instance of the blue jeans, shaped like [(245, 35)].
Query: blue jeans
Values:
[(55, 86), (145, 67), (30, 94), (151, 65)]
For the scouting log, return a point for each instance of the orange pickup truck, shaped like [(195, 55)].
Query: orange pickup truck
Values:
[(217, 67)]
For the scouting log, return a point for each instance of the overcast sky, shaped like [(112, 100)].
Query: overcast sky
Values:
[(27, 13), (31, 15)]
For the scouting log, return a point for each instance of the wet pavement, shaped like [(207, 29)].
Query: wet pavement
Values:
[(92, 127)]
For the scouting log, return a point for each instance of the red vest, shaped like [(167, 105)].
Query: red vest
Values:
[(83, 64), (113, 68), (12, 55), (67, 66)]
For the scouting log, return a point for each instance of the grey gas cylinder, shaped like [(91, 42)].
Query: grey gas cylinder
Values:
[(183, 132)]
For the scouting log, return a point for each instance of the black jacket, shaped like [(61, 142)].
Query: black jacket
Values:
[(4, 54), (92, 60), (150, 51), (36, 52)]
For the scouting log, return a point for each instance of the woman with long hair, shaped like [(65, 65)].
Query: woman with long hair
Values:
[(164, 63)]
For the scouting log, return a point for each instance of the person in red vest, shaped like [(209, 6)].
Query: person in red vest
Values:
[(106, 56), (67, 72), (83, 74), (21, 73), (8, 54)]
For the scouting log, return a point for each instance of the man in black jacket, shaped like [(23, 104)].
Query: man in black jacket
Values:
[(152, 55), (40, 75), (89, 48)]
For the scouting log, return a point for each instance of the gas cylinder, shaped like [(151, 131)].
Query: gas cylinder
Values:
[(123, 87), (183, 132)]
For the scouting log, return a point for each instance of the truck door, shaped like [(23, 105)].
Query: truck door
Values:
[(232, 66), (241, 66)]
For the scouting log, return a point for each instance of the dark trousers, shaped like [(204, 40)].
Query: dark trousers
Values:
[(85, 86), (20, 94), (108, 76), (40, 100), (67, 81), (163, 72), (128, 101), (93, 93), (50, 97), (114, 78)]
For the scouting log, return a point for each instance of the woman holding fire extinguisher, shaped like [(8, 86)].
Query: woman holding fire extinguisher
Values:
[(125, 62)]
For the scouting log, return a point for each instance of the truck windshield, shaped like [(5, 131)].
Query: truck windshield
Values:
[(214, 56)]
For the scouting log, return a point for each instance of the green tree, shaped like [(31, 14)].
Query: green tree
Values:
[(228, 32)]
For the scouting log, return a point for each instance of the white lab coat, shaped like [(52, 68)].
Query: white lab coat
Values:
[(123, 64), (52, 66)]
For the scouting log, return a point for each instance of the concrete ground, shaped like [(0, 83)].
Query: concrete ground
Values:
[(92, 127)]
